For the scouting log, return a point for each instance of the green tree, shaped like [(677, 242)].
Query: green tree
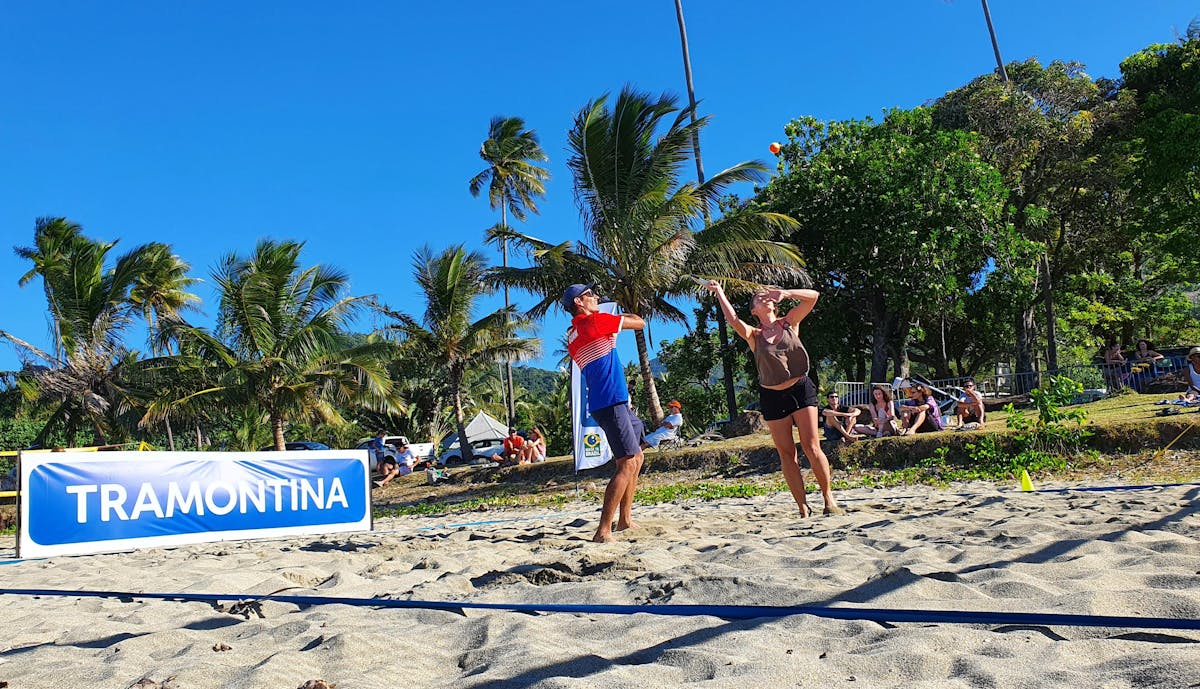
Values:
[(1162, 181), (446, 338), (638, 216), (895, 219), (161, 291), (1040, 132), (280, 345), (1164, 79), (692, 378), (90, 378), (514, 180)]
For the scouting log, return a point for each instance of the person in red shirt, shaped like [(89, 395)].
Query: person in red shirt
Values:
[(592, 344), (513, 445)]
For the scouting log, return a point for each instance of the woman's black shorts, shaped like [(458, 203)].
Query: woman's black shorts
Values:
[(779, 404)]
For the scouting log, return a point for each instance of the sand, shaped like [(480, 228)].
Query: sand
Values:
[(1119, 553)]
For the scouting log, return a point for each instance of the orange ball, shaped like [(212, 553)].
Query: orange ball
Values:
[(775, 147)]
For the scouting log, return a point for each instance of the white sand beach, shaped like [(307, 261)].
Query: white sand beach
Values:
[(1133, 553)]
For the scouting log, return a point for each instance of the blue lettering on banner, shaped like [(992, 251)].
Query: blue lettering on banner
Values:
[(81, 502)]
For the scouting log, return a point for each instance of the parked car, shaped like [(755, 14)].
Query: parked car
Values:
[(421, 451), (482, 449), (298, 445)]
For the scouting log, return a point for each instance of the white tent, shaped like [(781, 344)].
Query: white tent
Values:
[(482, 427)]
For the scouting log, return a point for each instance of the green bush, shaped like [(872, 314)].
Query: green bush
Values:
[(1042, 443)]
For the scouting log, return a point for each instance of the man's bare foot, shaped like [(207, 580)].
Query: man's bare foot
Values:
[(605, 537), (805, 512), (627, 525)]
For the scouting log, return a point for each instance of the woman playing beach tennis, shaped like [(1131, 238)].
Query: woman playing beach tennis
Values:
[(787, 396)]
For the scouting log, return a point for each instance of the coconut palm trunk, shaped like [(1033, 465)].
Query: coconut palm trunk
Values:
[(509, 405), (277, 432), (722, 327), (170, 435), (656, 415), (460, 423), (514, 182), (987, 15)]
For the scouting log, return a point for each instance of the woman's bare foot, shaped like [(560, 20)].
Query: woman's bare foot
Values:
[(603, 537), (805, 512)]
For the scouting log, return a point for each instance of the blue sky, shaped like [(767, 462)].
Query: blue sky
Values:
[(355, 126)]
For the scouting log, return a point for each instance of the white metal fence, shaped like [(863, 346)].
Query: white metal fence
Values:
[(1096, 378)]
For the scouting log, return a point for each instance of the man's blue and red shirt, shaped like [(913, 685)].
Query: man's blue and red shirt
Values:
[(592, 344)]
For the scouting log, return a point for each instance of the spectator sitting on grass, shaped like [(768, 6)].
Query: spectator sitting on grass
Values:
[(434, 475), (839, 420), (668, 429), (1192, 394), (970, 405), (400, 465), (511, 454), (535, 447), (920, 414), (883, 417)]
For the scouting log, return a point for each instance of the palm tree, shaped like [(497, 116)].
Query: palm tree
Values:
[(161, 292), (453, 344), (638, 216), (89, 377), (280, 345), (514, 180), (53, 240)]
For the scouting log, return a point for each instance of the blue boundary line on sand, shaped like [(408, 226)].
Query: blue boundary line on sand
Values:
[(728, 612)]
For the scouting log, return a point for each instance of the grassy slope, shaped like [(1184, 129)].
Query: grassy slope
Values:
[(1130, 443)]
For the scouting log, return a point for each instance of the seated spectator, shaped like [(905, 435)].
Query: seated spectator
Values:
[(1114, 366), (883, 416), (535, 448), (839, 420), (510, 455), (668, 428), (1192, 393), (920, 414), (970, 405), (1144, 354), (392, 466), (405, 460), (434, 475)]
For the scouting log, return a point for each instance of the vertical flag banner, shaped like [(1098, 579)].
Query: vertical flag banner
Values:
[(75, 503), (591, 447)]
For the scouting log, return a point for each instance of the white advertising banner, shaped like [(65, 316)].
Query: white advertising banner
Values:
[(591, 447), (91, 502)]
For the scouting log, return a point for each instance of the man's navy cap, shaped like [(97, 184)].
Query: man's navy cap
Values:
[(569, 295)]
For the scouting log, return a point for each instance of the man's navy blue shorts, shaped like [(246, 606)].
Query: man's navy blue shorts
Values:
[(622, 428)]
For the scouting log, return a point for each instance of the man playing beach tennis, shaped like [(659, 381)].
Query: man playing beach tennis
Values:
[(592, 344)]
